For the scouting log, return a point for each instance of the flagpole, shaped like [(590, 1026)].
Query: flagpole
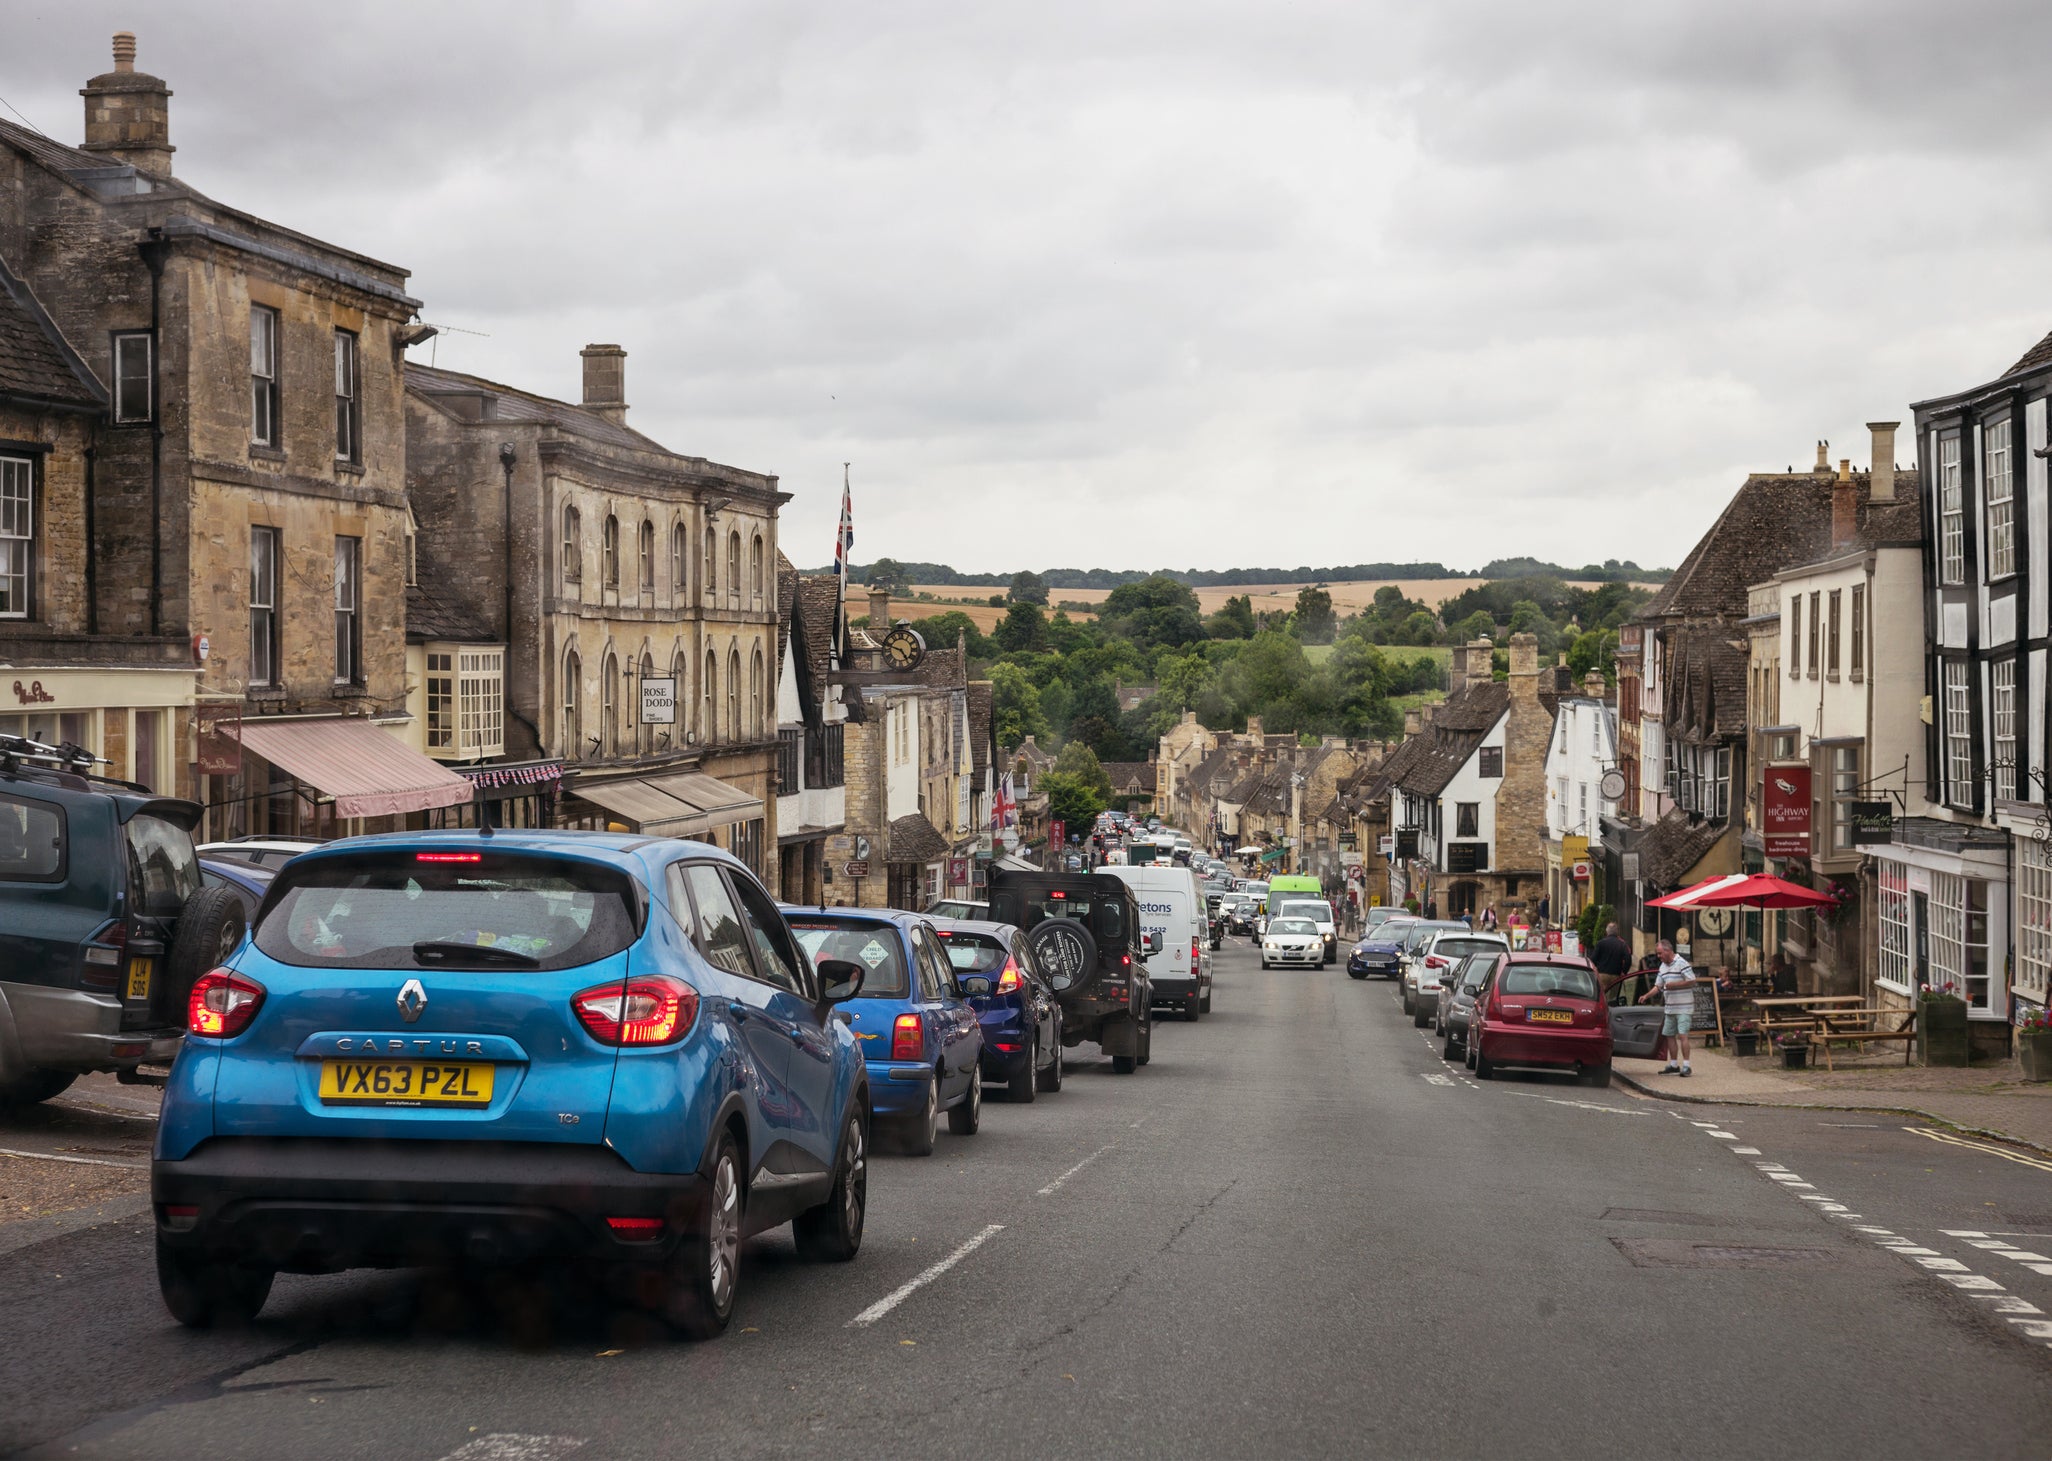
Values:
[(842, 548)]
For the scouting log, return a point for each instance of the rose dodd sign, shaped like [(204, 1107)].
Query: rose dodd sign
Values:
[(1785, 811)]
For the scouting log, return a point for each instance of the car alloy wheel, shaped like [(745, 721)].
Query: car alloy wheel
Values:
[(917, 1135), (832, 1232), (1021, 1087), (705, 1271), (1051, 1078)]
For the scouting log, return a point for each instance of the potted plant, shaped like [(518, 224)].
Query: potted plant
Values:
[(1941, 1025), (1795, 1052), (1745, 1038), (2034, 1046)]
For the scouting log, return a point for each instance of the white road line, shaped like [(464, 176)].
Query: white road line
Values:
[(515, 1448), (1980, 1146), (1723, 1135), (7, 1151), (1055, 1186), (905, 1290), (1745, 1151)]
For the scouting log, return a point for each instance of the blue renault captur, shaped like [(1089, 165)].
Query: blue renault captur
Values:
[(508, 1047), (921, 1040)]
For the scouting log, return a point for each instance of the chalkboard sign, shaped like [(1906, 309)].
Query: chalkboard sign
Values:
[(1708, 1019)]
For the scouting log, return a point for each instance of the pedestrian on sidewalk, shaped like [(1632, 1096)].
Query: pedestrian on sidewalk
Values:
[(1675, 983), (1613, 957)]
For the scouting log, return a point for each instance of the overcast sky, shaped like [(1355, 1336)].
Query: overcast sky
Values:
[(1143, 283)]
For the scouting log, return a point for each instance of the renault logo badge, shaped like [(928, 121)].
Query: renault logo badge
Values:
[(412, 1000)]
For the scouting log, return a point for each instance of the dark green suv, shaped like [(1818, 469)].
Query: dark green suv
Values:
[(104, 924), (1084, 930)]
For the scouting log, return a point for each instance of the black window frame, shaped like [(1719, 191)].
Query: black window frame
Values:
[(31, 458), (1489, 759)]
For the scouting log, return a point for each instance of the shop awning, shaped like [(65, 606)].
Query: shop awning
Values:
[(672, 806), (368, 772)]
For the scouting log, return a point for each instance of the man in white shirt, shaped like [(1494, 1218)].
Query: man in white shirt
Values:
[(1675, 984)]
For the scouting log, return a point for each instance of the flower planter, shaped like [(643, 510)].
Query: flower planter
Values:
[(2034, 1052), (1795, 1057), (1942, 1031), (1745, 1042)]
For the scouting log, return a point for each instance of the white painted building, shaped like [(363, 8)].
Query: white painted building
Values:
[(1584, 746)]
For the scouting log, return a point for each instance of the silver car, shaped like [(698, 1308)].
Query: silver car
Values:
[(1292, 941), (1437, 959), (1416, 937), (1456, 1007)]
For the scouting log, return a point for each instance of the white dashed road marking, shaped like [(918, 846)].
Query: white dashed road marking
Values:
[(912, 1286), (1055, 1186), (515, 1448), (80, 1161)]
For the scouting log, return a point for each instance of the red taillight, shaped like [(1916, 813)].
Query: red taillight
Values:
[(908, 1037), (1008, 982), (636, 1229), (448, 857), (1433, 961), (649, 1009), (222, 1004), (1125, 961), (1194, 955)]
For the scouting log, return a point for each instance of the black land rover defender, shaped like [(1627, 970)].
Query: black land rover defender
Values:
[(1084, 930), (104, 923)]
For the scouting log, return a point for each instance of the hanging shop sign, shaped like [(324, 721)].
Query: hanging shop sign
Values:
[(1785, 811), (1871, 822)]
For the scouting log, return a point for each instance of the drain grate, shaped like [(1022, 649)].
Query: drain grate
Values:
[(1656, 1215), (1675, 1253)]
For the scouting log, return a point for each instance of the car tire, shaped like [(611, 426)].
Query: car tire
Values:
[(202, 1293), (1484, 1069), (1468, 1051), (1597, 1076), (1192, 1009), (1418, 1016), (1448, 1049), (1204, 1005), (832, 1232), (703, 1280), (1146, 1041), (1050, 1079), (1124, 1064), (34, 1085), (1022, 1087), (916, 1134), (1356, 974), (209, 927), (966, 1115), (1407, 1002), (1057, 943)]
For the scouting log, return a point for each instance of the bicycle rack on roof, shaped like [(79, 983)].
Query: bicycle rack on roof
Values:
[(64, 765)]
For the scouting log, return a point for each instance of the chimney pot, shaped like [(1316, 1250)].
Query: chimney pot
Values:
[(1823, 458), (605, 381), (128, 113), (1881, 479), (1594, 685)]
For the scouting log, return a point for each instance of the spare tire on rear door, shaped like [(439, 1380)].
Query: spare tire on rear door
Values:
[(209, 927), (1065, 952)]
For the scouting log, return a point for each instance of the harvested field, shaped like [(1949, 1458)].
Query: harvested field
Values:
[(1347, 598)]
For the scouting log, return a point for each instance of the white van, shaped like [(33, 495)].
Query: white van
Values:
[(1172, 904)]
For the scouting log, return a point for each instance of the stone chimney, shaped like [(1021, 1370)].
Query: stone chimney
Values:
[(1823, 467), (1845, 508), (1595, 686), (1254, 729), (879, 606), (1425, 713), (1524, 668), (1881, 480), (1414, 723), (1457, 671), (605, 381), (128, 113)]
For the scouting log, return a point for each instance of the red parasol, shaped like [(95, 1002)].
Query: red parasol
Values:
[(1744, 890)]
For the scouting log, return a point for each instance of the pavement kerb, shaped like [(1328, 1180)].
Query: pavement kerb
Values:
[(1662, 1093)]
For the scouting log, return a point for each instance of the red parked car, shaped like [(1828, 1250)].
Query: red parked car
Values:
[(1542, 1010)]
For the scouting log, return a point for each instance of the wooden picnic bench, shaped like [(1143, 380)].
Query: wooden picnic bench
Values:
[(1789, 1013), (1830, 1030)]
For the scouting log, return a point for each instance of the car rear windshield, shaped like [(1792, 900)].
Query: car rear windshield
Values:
[(1562, 979), (866, 941), (973, 953), (163, 868), (438, 909), (1454, 948)]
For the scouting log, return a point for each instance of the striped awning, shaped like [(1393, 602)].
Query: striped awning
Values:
[(676, 805), (367, 772)]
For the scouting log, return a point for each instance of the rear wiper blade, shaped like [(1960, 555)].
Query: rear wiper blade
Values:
[(452, 951)]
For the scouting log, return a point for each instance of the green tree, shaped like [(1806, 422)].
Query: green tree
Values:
[(1316, 622), (1234, 620), (1023, 628), (1079, 761), (892, 574), (941, 630), (1028, 588), (1154, 611), (1057, 702), (1015, 706), (1594, 650), (1070, 800), (1478, 625), (1420, 628), (1180, 678)]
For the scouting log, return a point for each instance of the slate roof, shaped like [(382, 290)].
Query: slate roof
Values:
[(787, 602), (432, 613), (506, 404), (37, 366), (913, 839), (1036, 756), (1130, 776), (818, 605), (1706, 682), (1773, 521), (943, 669), (2039, 354), (982, 715), (1674, 845), (1457, 728)]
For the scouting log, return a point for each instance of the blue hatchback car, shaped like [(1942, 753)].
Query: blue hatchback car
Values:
[(497, 1048), (1381, 951), (921, 1040)]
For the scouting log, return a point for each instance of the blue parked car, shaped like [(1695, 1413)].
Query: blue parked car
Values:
[(920, 1038), (505, 1048), (1022, 1018), (1381, 950)]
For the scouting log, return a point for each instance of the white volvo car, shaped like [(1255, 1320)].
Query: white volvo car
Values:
[(1292, 941)]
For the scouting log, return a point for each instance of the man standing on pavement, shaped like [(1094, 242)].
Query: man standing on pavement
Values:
[(1613, 957), (1675, 983)]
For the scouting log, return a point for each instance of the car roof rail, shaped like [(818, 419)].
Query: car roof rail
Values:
[(66, 765)]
